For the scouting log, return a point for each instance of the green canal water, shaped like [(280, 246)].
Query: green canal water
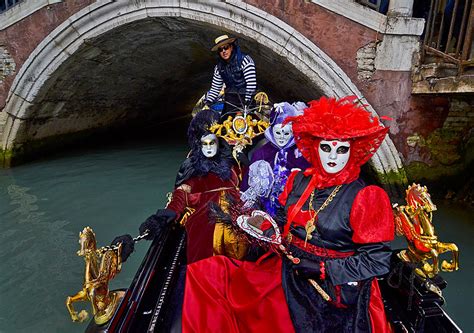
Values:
[(44, 205)]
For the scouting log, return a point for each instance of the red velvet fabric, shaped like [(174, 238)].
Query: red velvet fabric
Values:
[(372, 217), (178, 201), (199, 231), (377, 316), (224, 295)]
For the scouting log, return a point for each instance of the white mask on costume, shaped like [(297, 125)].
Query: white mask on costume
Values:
[(282, 134), (334, 155), (209, 145)]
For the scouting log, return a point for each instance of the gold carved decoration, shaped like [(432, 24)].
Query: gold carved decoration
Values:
[(102, 265), (239, 130), (414, 221)]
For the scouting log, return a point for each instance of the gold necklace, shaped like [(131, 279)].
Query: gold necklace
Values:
[(310, 227)]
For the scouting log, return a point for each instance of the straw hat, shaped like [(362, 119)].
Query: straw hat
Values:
[(221, 41)]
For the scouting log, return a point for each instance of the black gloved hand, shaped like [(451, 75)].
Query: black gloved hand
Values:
[(243, 158), (128, 245), (157, 222), (307, 269)]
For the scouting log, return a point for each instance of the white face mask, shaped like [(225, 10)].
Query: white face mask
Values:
[(282, 134), (334, 155), (209, 145)]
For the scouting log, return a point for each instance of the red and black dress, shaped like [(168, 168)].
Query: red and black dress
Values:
[(350, 242), (351, 239)]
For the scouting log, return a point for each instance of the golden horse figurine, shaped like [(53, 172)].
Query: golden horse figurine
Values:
[(102, 265), (414, 222)]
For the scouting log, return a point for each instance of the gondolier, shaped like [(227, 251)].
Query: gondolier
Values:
[(236, 70)]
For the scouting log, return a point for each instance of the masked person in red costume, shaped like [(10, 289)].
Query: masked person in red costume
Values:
[(207, 175), (338, 226)]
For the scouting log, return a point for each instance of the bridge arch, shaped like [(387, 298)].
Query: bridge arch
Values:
[(28, 96)]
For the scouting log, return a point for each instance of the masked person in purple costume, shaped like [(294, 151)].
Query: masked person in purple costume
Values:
[(279, 154)]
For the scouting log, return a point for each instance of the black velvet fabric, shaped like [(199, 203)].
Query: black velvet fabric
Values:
[(185, 172), (157, 222), (311, 313)]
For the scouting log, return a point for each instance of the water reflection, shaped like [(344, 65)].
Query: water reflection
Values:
[(34, 261), (44, 205)]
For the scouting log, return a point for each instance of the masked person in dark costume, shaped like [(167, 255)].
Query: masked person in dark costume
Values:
[(207, 175), (336, 225)]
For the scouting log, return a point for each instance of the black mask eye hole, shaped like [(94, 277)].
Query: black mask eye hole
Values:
[(342, 150), (325, 147)]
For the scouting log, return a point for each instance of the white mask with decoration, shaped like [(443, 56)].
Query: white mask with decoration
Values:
[(282, 134), (334, 155), (209, 145)]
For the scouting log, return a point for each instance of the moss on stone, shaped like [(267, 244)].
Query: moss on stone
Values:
[(398, 177), (439, 179), (444, 146), (6, 157), (422, 171)]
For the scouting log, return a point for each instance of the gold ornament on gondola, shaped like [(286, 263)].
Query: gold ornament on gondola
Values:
[(240, 130), (102, 265), (262, 101), (414, 221)]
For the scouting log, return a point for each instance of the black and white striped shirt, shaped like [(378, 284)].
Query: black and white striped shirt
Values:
[(250, 76)]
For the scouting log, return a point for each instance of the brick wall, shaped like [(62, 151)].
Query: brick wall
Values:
[(461, 115)]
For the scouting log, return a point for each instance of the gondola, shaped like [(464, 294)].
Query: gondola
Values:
[(153, 301)]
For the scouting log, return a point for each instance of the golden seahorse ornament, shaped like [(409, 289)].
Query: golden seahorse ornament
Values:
[(414, 221), (102, 265)]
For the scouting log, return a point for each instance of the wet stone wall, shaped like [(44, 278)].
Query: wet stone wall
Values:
[(7, 63)]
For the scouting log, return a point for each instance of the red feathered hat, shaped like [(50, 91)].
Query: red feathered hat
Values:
[(344, 120)]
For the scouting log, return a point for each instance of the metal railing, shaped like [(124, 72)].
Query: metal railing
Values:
[(7, 4), (449, 31)]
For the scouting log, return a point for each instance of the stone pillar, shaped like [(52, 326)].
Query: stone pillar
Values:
[(398, 47), (400, 8)]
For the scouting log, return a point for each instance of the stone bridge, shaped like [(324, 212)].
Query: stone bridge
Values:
[(71, 68)]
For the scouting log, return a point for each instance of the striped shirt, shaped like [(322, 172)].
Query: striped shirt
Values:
[(250, 76)]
